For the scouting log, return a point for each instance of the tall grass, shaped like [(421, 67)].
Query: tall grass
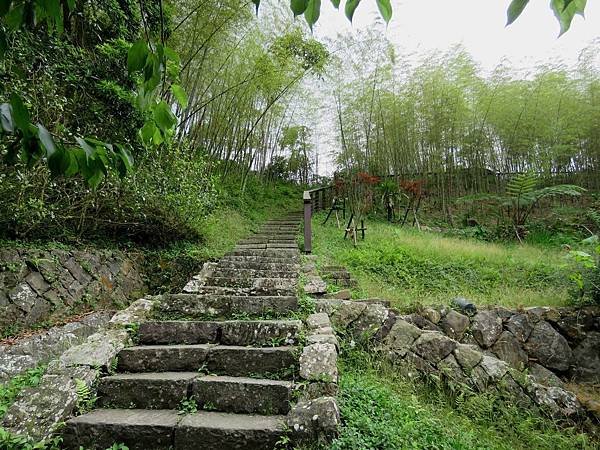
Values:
[(408, 266)]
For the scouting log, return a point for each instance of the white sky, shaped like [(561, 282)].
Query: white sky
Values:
[(479, 25)]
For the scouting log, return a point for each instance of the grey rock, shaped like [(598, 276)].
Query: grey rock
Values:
[(544, 376), (344, 294), (519, 326), (486, 327), (467, 356), (493, 367), (508, 349), (315, 285), (346, 313), (450, 367), (454, 324), (39, 410), (586, 358), (322, 339), (548, 347), (318, 362), (137, 312), (99, 350), (316, 421), (370, 321), (23, 296), (421, 322), (433, 315), (318, 320), (401, 337), (433, 346), (37, 282)]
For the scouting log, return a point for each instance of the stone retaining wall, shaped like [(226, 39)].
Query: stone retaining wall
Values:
[(37, 284)]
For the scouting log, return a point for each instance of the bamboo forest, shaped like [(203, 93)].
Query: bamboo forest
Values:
[(300, 224)]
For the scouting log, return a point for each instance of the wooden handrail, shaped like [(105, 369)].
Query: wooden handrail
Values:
[(314, 201)]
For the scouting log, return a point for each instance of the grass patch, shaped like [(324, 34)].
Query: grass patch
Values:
[(382, 410), (407, 266)]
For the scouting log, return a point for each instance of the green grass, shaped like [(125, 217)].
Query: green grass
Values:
[(381, 410), (11, 389), (407, 267)]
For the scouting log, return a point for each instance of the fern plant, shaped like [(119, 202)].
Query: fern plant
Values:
[(522, 196)]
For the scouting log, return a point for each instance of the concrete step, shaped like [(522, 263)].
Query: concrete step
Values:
[(158, 390), (232, 332), (242, 395), (200, 307), (218, 359), (163, 429)]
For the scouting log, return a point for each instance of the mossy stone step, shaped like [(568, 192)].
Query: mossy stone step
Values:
[(230, 332), (295, 260), (258, 265), (219, 359), (242, 394), (164, 429), (274, 285), (242, 272), (269, 253), (196, 306), (154, 390)]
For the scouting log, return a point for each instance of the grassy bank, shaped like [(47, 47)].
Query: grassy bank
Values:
[(382, 410), (408, 266)]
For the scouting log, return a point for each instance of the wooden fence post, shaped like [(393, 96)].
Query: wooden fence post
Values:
[(307, 222)]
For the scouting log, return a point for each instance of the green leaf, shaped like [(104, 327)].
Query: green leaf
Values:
[(157, 138), (3, 43), (336, 4), (46, 139), (20, 114), (137, 55), (63, 162), (125, 155), (515, 9), (163, 117), (6, 120), (180, 95), (14, 18), (312, 13), (385, 8), (172, 55), (298, 6), (147, 132), (351, 6), (87, 148), (4, 7), (71, 4), (565, 11)]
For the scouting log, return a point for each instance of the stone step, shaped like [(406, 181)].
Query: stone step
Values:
[(274, 285), (241, 272), (260, 259), (269, 253), (257, 265), (241, 292), (195, 306), (163, 429), (242, 395), (266, 245), (232, 332), (219, 359), (154, 390)]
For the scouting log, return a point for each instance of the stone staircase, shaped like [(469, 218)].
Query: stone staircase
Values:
[(217, 366)]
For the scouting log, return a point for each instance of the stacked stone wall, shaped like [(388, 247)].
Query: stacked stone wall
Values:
[(36, 285)]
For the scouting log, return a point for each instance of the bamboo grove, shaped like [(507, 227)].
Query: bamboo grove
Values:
[(463, 131)]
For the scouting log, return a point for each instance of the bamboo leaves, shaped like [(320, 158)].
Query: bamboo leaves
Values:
[(515, 9)]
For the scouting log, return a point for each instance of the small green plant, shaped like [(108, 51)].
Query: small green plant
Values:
[(9, 441), (86, 398), (587, 276), (118, 447), (10, 390), (187, 406), (209, 406), (203, 369)]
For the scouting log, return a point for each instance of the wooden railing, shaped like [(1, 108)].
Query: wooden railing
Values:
[(315, 200)]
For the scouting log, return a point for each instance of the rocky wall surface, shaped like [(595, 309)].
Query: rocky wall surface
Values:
[(36, 284), (464, 350)]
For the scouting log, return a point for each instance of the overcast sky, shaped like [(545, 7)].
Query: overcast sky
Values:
[(479, 25), (422, 26)]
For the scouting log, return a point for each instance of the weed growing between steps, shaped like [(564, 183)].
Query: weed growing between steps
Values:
[(382, 410), (407, 266)]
